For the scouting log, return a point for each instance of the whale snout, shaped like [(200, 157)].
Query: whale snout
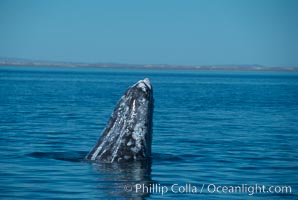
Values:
[(145, 85), (147, 82)]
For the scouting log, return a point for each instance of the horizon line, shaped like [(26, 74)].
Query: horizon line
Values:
[(19, 61)]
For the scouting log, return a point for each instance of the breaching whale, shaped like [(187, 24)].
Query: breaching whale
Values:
[(128, 133)]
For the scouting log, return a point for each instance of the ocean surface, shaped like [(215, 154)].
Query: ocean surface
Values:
[(212, 131)]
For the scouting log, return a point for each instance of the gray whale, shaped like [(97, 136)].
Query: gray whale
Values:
[(128, 134)]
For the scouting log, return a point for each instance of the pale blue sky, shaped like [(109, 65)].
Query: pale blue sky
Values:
[(188, 32)]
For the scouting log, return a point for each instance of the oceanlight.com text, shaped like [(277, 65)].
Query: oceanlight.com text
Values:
[(211, 188)]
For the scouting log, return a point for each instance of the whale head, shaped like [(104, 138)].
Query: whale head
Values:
[(128, 133)]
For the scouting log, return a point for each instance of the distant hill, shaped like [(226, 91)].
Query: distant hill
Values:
[(232, 67)]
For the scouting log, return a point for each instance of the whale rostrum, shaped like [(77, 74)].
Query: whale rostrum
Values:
[(128, 133)]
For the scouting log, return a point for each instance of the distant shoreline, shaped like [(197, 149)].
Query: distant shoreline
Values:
[(147, 67)]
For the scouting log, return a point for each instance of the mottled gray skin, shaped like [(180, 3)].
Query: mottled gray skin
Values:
[(128, 134)]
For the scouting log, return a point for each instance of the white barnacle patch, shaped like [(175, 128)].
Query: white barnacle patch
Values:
[(138, 135), (134, 149), (147, 82), (126, 109), (127, 157), (133, 106), (142, 86), (129, 143)]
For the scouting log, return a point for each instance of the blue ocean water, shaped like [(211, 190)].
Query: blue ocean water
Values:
[(211, 129)]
